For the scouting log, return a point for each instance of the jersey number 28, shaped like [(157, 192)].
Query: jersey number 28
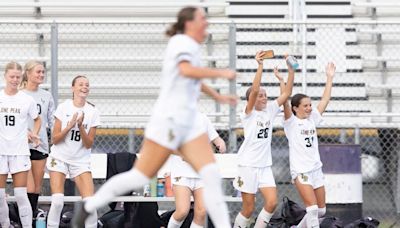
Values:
[(263, 133)]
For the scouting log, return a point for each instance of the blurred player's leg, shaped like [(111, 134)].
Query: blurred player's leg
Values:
[(152, 157), (198, 153)]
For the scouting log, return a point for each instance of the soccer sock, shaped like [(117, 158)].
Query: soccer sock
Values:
[(263, 219), (57, 204), (4, 217), (24, 207), (213, 196), (91, 221), (241, 221), (33, 200), (312, 217), (117, 185), (321, 212), (173, 223), (194, 225)]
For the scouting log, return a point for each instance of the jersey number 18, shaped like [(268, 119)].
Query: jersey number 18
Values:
[(75, 135)]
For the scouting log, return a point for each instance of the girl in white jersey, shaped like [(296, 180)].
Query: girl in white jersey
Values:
[(187, 182), (305, 163), (254, 156), (175, 122), (33, 76), (16, 110), (74, 131)]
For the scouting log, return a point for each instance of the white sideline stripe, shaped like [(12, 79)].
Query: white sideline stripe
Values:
[(72, 199), (105, 58), (76, 4)]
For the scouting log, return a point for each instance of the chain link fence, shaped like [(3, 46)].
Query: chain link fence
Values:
[(123, 63)]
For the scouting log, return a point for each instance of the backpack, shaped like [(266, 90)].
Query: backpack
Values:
[(366, 222), (292, 213), (112, 219), (331, 222)]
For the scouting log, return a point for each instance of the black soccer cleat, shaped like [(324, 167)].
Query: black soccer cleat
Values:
[(80, 215)]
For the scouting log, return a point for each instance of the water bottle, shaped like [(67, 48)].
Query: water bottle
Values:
[(292, 61), (168, 185), (153, 187), (146, 190), (160, 189), (41, 220)]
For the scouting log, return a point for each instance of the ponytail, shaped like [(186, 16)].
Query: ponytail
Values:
[(184, 15)]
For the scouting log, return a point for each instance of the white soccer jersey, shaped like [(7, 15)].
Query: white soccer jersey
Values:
[(303, 142), (71, 150), (15, 113), (45, 106), (179, 167), (179, 94), (257, 125)]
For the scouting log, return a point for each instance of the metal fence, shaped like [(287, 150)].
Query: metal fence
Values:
[(123, 59)]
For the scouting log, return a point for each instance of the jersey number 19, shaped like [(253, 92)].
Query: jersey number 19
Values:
[(10, 120)]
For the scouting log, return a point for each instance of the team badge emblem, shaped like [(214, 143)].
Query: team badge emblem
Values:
[(239, 182), (171, 135), (53, 162)]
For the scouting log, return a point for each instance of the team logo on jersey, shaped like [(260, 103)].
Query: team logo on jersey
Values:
[(240, 182), (53, 163), (262, 124), (171, 135), (304, 177), (177, 179)]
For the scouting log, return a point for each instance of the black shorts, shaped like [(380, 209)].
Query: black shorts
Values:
[(37, 155)]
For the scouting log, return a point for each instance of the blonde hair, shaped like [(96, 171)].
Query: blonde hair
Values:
[(12, 66), (30, 65)]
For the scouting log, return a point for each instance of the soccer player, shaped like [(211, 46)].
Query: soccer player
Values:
[(16, 110), (32, 77), (175, 122), (300, 124), (187, 182), (254, 156), (74, 131)]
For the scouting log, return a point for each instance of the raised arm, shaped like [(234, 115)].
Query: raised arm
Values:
[(255, 87), (286, 107), (288, 88), (223, 99), (190, 71), (326, 96)]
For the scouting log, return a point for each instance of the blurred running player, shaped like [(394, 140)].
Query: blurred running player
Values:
[(254, 156), (175, 123), (16, 110), (300, 124), (187, 182), (32, 77), (74, 131)]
